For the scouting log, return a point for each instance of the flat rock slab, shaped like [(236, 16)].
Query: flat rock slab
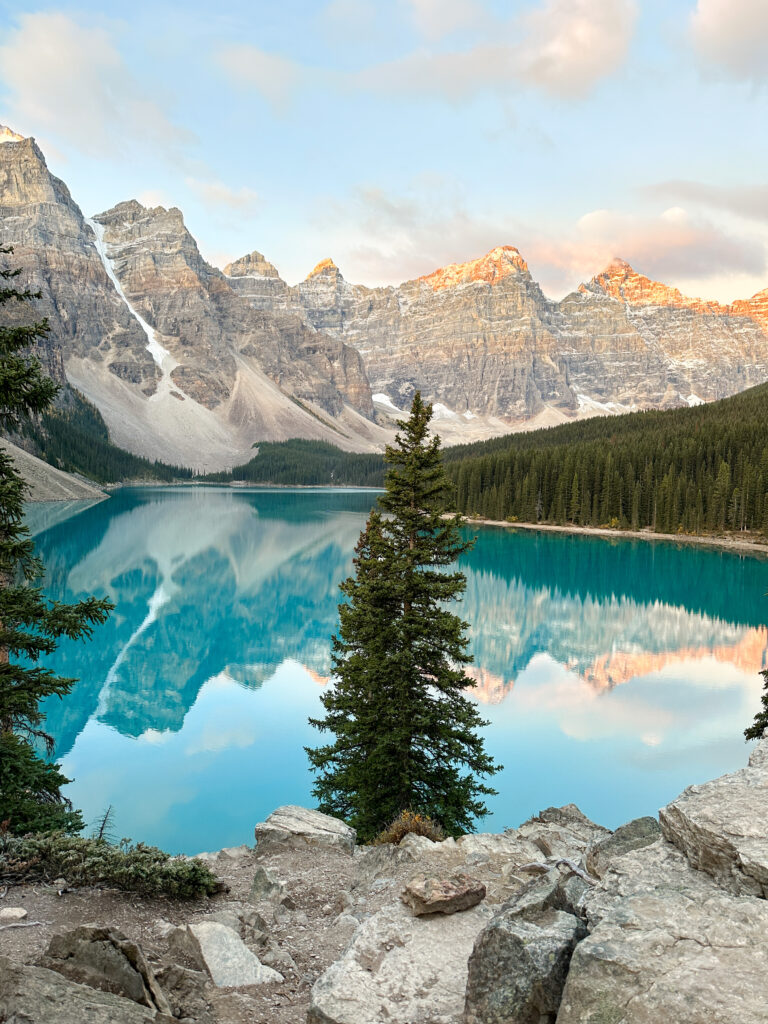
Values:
[(293, 827), (721, 826), (400, 969), (34, 995), (105, 959), (443, 895), (220, 950), (11, 915), (667, 945)]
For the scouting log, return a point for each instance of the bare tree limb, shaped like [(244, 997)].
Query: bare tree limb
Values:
[(539, 868)]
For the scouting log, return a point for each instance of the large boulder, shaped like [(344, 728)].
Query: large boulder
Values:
[(106, 959), (667, 944), (295, 828), (400, 969), (34, 995), (520, 960), (632, 836), (215, 948), (518, 968), (722, 826)]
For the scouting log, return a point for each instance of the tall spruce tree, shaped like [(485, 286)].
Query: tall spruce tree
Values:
[(760, 724), (406, 734), (30, 626)]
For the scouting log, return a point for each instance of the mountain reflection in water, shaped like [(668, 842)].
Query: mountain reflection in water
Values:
[(612, 674)]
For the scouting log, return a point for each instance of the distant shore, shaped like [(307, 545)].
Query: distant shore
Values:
[(748, 545)]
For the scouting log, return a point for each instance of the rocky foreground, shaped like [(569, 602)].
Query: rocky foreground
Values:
[(559, 920)]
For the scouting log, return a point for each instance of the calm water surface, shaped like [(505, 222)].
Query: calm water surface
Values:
[(613, 674)]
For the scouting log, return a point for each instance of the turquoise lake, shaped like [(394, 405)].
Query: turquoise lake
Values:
[(612, 673)]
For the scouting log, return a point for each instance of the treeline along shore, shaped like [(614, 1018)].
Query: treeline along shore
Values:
[(687, 472), (699, 471)]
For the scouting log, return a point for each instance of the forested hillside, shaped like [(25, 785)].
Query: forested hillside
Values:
[(694, 470), (304, 463), (73, 436), (697, 470)]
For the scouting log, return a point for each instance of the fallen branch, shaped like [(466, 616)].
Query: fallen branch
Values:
[(539, 868), (22, 924), (577, 870), (535, 868)]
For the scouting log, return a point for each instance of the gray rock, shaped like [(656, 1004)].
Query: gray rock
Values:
[(632, 836), (235, 853), (186, 992), (278, 959), (720, 826), (667, 945), (34, 995), (295, 828), (400, 969), (266, 886), (221, 951), (557, 890), (443, 895), (344, 927), (561, 832), (518, 967), (105, 959)]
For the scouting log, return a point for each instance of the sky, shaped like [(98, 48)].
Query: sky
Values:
[(396, 136)]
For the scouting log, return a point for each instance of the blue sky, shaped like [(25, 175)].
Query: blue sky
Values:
[(399, 136)]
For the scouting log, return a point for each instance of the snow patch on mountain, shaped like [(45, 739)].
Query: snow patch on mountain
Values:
[(161, 356)]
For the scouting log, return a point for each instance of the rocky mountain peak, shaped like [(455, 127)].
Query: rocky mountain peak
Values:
[(621, 281), (326, 267), (497, 264), (9, 135), (252, 265)]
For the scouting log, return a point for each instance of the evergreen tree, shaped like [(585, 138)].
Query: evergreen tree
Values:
[(30, 626), (405, 732), (760, 724)]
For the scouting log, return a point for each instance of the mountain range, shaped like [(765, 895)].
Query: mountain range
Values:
[(194, 365)]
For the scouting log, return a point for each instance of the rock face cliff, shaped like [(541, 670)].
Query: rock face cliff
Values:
[(54, 247), (482, 341), (182, 367), (194, 365)]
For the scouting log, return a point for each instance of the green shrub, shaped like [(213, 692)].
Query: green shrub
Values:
[(409, 822), (132, 868)]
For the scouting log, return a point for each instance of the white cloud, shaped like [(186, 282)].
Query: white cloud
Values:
[(731, 37), (216, 193), (434, 19), (276, 78), (69, 81), (386, 238), (748, 201), (378, 237), (572, 44), (563, 47), (672, 247)]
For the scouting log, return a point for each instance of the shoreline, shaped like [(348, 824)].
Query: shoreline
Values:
[(727, 543)]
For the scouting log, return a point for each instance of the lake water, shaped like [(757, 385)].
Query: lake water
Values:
[(613, 673)]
